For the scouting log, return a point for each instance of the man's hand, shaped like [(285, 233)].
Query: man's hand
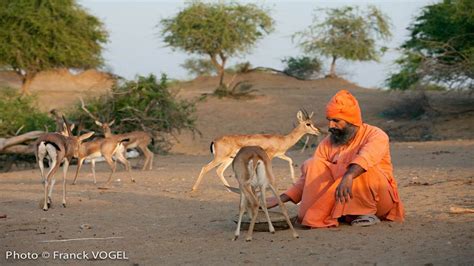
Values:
[(344, 190), (273, 201)]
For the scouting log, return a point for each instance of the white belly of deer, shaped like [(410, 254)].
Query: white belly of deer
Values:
[(132, 145), (94, 155)]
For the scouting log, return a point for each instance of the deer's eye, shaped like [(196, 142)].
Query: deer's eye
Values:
[(308, 124)]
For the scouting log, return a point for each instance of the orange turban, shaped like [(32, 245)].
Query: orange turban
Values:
[(344, 106)]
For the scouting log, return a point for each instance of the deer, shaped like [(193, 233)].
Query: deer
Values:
[(106, 148), (58, 149), (137, 139), (96, 148), (226, 147), (253, 171)]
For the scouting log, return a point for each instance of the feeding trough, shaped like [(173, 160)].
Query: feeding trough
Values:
[(276, 216)]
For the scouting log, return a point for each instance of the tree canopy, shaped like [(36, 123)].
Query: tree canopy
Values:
[(348, 33), (39, 35), (440, 48), (218, 30)]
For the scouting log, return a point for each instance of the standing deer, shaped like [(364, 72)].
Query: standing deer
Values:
[(136, 139), (253, 171), (107, 148), (225, 148), (58, 148), (100, 147)]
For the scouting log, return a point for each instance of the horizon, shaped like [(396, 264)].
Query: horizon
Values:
[(135, 47)]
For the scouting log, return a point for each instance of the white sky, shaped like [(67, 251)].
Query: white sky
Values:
[(136, 48)]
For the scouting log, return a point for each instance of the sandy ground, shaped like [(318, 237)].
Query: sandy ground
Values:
[(160, 222)]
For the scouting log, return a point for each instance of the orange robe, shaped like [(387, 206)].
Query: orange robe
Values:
[(374, 192)]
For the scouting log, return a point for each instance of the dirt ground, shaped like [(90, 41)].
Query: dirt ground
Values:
[(159, 221)]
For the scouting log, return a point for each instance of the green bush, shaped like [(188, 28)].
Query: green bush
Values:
[(144, 104), (19, 112), (303, 67), (199, 67)]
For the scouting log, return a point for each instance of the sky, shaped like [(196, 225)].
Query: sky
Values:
[(136, 48)]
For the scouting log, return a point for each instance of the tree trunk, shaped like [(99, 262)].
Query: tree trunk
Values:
[(332, 71), (221, 77), (6, 143), (220, 68), (26, 83)]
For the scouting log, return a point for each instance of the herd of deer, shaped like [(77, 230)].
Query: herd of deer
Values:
[(250, 156)]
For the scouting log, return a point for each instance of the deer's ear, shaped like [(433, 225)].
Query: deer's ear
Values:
[(86, 136), (299, 115), (112, 122), (72, 126), (98, 123)]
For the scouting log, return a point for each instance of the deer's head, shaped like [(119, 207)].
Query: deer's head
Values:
[(74, 141), (306, 124), (105, 126)]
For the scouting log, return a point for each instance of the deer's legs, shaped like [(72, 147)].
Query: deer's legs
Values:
[(93, 170), (79, 165), (220, 170), (121, 158), (148, 158), (283, 210), (112, 166), (290, 161), (264, 207), (242, 208), (253, 204), (47, 196), (41, 166), (65, 167), (204, 170)]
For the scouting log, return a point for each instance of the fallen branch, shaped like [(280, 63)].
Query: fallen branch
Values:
[(460, 210), (7, 142), (19, 149)]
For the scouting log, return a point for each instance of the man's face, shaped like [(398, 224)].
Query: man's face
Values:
[(341, 131)]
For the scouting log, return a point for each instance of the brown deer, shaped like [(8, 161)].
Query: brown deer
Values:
[(107, 148), (253, 171), (100, 147), (136, 139), (225, 148), (58, 149)]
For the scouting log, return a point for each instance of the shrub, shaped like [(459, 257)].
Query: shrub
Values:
[(199, 67), (239, 68), (412, 106), (143, 104), (303, 67), (19, 112)]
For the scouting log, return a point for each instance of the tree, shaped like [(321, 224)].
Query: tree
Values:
[(440, 48), (41, 35), (347, 33), (218, 30)]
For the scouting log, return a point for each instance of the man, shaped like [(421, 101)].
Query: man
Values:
[(350, 174)]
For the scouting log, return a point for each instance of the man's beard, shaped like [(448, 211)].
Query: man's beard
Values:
[(342, 136)]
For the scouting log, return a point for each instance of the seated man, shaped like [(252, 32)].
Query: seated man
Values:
[(350, 174)]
